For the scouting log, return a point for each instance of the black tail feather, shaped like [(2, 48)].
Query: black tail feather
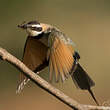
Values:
[(90, 91), (81, 78), (83, 81)]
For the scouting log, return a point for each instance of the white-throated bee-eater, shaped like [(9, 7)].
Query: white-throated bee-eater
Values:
[(48, 46)]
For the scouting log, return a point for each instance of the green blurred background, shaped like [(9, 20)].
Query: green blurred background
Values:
[(87, 22)]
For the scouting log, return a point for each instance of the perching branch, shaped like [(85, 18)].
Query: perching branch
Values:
[(45, 85)]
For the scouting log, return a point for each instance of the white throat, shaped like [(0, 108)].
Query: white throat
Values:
[(33, 33)]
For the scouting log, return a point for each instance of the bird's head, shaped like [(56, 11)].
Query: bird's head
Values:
[(34, 28)]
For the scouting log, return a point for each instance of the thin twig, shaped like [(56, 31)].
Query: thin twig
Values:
[(45, 85)]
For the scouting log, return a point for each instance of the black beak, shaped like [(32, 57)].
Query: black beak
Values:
[(23, 26)]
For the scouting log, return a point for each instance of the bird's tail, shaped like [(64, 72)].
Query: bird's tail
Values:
[(83, 81), (90, 91), (22, 85)]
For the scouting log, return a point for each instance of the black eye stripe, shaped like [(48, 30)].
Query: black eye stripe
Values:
[(37, 28)]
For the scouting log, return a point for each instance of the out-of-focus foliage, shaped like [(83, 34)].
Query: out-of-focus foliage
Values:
[(87, 22)]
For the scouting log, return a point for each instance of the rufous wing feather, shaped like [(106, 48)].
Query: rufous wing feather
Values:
[(62, 59), (34, 55)]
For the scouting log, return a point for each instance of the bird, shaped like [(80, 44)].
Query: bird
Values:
[(47, 46)]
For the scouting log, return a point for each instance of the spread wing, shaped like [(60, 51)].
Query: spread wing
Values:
[(60, 55), (34, 56)]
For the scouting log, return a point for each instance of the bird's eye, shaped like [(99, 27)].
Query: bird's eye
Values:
[(37, 28)]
